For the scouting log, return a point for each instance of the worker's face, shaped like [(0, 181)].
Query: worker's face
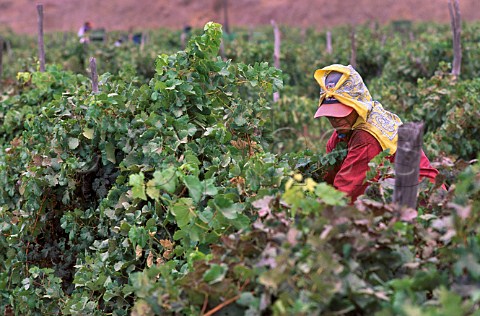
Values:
[(343, 124)]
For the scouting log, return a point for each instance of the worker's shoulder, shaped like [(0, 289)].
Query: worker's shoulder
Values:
[(363, 138)]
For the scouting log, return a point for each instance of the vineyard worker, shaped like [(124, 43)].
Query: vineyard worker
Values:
[(84, 31), (360, 121)]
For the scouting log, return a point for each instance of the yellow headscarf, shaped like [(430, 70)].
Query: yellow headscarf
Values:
[(372, 117)]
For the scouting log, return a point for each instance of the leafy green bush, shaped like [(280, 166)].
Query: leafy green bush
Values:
[(180, 188), (457, 136), (95, 175)]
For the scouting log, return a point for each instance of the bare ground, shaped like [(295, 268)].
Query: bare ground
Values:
[(68, 15)]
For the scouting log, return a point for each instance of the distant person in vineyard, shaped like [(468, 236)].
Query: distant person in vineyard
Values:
[(83, 32), (185, 34), (362, 123)]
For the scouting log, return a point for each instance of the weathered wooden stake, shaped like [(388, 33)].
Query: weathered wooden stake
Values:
[(65, 39), (407, 164), (411, 36), (8, 47), (383, 40), (456, 23), (143, 40), (222, 49), (276, 54), (225, 16), (93, 70), (329, 42), (41, 46), (303, 34), (1, 59), (183, 39), (353, 56)]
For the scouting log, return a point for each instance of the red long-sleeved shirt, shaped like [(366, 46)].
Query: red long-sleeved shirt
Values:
[(362, 147)]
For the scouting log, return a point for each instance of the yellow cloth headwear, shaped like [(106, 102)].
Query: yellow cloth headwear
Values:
[(372, 117)]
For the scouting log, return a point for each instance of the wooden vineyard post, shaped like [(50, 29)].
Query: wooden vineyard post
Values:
[(222, 49), (65, 39), (225, 16), (93, 70), (276, 54), (1, 59), (329, 42), (353, 56), (41, 46), (407, 164), (383, 40), (456, 23), (143, 40), (183, 39)]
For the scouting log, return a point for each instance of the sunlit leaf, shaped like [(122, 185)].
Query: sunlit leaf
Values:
[(88, 132), (215, 274), (138, 185), (73, 142)]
